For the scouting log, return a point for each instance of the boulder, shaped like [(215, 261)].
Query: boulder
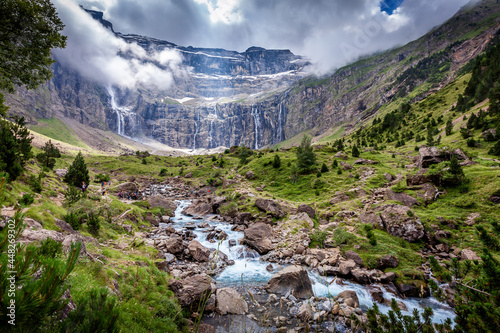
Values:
[(413, 289), (61, 172), (489, 133), (401, 221), (174, 245), (354, 257), (305, 312), (191, 290), (350, 298), (291, 279), (388, 262), (365, 161), (198, 208), (345, 267), (270, 207), (404, 198), (341, 155), (167, 204), (189, 175), (243, 217), (345, 166), (376, 293), (230, 301), (495, 198), (361, 276), (434, 155), (65, 227), (302, 219), (467, 254), (250, 175), (29, 236), (198, 251), (257, 237), (303, 208)]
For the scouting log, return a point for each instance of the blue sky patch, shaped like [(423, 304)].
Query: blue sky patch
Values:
[(389, 6)]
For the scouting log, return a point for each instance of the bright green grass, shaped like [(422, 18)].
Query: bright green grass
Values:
[(56, 129)]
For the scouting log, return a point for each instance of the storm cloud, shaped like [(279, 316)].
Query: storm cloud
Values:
[(331, 33)]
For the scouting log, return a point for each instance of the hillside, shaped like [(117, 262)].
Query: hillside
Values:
[(392, 210)]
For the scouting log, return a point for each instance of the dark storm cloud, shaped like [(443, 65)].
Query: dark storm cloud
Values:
[(329, 32)]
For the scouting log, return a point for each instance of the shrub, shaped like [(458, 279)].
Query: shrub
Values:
[(355, 151), (50, 248), (93, 224), (26, 200), (72, 195), (74, 219), (335, 164), (35, 183), (99, 178), (324, 168), (318, 238), (163, 172), (306, 158), (144, 161)]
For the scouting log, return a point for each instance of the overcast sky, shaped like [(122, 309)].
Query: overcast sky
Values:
[(330, 33)]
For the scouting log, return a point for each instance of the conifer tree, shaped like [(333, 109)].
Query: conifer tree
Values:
[(77, 172), (276, 161), (449, 127), (306, 159), (355, 151)]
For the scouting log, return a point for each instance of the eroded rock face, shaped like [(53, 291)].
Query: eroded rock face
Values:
[(230, 301), (293, 279), (191, 290), (257, 237), (270, 207), (198, 251)]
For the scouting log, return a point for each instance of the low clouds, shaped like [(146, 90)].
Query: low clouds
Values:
[(331, 33), (94, 52)]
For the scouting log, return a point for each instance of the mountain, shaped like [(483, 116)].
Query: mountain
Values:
[(261, 97)]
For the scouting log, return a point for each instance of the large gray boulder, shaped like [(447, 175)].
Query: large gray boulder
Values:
[(270, 207), (230, 301), (307, 209), (434, 155), (198, 208), (397, 220), (167, 204), (257, 237), (401, 221), (198, 251), (293, 279), (174, 245), (191, 290)]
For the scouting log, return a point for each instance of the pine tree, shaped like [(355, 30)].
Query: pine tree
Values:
[(324, 168), (77, 172), (306, 159), (276, 161), (50, 152), (355, 151), (15, 146), (449, 127), (244, 153)]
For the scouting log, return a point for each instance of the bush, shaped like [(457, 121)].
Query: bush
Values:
[(26, 200), (163, 172), (93, 224), (335, 164), (35, 183), (318, 238), (50, 248), (144, 161), (72, 195), (355, 151), (74, 219), (99, 178), (324, 168)]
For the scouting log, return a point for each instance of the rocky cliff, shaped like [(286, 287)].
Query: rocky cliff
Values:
[(260, 97)]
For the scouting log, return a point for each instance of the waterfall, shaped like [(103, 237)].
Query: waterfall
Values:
[(256, 120), (213, 117), (120, 112), (195, 129), (279, 130)]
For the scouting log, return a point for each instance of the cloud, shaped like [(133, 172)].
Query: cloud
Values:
[(331, 33), (96, 53)]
